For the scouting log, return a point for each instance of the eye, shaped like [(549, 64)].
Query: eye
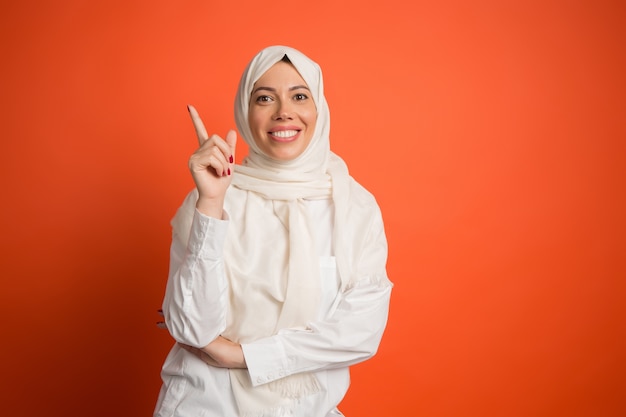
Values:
[(300, 97), (263, 99)]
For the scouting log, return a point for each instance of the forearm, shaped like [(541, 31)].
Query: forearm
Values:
[(350, 335)]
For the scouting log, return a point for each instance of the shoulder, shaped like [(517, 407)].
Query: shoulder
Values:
[(362, 211), (189, 204), (361, 197)]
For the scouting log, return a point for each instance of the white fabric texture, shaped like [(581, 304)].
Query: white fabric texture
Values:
[(269, 283)]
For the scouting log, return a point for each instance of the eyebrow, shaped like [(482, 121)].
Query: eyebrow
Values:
[(273, 90)]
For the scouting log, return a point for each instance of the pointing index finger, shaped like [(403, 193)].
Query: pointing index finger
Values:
[(197, 124)]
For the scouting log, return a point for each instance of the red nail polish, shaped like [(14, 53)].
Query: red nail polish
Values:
[(228, 171), (231, 159)]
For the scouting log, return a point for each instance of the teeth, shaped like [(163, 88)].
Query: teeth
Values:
[(285, 133)]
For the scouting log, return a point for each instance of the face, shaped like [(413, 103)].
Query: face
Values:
[(282, 113)]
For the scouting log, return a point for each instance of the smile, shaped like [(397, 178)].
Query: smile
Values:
[(284, 135)]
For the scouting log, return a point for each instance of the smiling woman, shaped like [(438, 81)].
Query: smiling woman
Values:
[(277, 280)]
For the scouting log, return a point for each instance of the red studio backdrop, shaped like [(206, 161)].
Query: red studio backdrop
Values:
[(491, 132)]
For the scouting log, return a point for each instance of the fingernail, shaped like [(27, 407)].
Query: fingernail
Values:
[(188, 108), (231, 159), (228, 171)]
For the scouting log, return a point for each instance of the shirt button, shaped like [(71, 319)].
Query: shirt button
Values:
[(259, 380)]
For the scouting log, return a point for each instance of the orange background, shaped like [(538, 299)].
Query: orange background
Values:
[(491, 132)]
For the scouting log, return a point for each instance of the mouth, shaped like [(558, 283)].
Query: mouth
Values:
[(284, 135)]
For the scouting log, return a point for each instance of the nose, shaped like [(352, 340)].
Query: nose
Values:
[(283, 111)]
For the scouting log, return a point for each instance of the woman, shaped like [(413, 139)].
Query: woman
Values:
[(277, 278)]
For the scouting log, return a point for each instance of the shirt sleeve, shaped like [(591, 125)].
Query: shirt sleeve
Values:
[(194, 306), (350, 333)]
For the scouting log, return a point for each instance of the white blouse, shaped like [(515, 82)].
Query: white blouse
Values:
[(348, 330)]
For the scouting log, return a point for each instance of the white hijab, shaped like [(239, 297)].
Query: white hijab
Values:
[(303, 177), (317, 172)]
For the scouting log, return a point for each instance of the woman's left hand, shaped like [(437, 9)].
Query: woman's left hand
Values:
[(221, 353)]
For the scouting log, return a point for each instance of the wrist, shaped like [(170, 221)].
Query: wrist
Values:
[(212, 207)]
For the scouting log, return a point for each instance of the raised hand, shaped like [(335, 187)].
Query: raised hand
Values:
[(211, 166)]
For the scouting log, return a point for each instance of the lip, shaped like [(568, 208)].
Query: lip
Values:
[(297, 129)]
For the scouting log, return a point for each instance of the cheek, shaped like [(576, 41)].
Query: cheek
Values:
[(312, 118), (309, 115), (254, 121)]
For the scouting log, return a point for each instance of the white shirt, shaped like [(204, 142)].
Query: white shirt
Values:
[(348, 330)]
